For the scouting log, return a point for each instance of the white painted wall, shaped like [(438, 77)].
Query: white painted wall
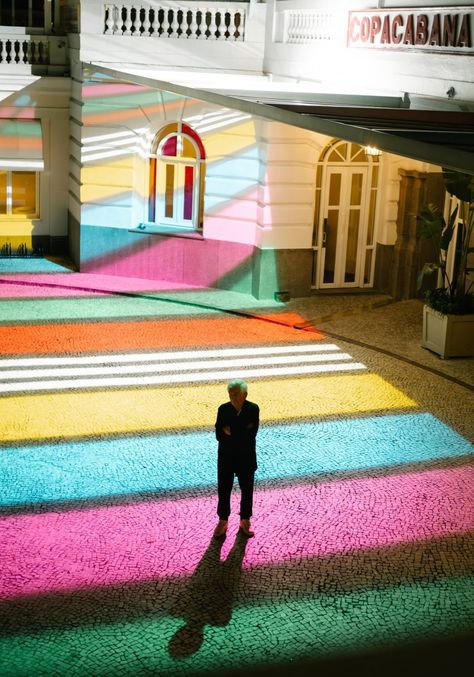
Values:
[(182, 53), (426, 77)]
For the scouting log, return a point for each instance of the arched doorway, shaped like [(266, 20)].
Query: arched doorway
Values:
[(344, 230), (176, 177)]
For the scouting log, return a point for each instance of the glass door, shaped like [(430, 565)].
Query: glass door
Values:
[(343, 227)]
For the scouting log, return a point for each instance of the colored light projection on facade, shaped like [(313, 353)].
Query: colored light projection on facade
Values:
[(204, 179), (21, 160), (363, 506)]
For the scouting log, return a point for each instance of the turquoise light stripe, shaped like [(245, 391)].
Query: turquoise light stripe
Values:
[(325, 626), (33, 265), (115, 306), (176, 461)]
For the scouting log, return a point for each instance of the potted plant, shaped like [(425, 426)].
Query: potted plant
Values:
[(448, 315)]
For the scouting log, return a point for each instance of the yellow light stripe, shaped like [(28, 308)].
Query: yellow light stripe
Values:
[(109, 412)]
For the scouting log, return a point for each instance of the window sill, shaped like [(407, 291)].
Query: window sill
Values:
[(171, 231)]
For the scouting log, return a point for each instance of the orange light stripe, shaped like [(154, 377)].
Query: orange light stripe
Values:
[(83, 337)]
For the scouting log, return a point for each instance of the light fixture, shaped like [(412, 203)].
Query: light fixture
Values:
[(372, 150)]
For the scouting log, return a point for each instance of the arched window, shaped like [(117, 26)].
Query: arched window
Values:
[(177, 165)]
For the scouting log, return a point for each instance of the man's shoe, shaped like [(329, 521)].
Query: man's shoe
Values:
[(245, 528), (221, 529)]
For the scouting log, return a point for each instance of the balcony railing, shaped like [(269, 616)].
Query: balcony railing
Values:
[(40, 50), (185, 22), (303, 26), (25, 50)]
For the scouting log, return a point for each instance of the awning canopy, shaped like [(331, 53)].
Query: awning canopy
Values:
[(21, 144), (440, 137)]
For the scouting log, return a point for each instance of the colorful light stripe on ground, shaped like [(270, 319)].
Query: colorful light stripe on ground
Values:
[(111, 545), (103, 468), (169, 355), (146, 644), (227, 373), (129, 411), (82, 337), (70, 284), (168, 364)]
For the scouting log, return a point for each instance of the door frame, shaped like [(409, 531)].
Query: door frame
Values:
[(351, 156), (347, 171)]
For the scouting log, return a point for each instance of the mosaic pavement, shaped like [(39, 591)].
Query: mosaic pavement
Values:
[(363, 509)]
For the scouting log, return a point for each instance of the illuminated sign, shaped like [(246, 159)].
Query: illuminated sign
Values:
[(427, 30)]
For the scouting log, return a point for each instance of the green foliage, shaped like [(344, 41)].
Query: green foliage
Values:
[(439, 299), (454, 296)]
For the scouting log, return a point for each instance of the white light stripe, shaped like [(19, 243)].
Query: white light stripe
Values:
[(103, 156), (219, 125), (111, 358), (117, 382), (114, 135), (61, 372)]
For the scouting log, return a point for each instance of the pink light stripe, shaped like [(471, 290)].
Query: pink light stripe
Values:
[(77, 284), (112, 545)]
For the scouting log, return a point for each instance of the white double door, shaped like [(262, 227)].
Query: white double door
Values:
[(343, 228)]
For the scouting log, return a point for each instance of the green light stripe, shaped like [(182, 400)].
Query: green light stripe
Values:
[(326, 626)]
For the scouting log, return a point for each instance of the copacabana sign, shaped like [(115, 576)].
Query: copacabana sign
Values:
[(427, 30)]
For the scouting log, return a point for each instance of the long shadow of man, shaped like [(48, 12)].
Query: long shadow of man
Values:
[(208, 597)]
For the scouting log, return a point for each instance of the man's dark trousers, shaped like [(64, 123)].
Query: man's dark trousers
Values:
[(225, 481)]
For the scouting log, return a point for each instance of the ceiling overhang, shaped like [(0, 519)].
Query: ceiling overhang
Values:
[(443, 138)]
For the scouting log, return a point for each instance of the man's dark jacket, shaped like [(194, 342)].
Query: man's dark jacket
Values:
[(237, 450)]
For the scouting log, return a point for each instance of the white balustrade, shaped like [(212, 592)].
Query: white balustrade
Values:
[(303, 26), (175, 21), (25, 50)]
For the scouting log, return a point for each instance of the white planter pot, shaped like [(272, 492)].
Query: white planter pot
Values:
[(448, 335)]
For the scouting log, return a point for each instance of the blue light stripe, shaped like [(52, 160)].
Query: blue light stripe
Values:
[(181, 461)]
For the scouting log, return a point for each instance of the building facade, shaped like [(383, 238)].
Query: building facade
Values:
[(278, 147)]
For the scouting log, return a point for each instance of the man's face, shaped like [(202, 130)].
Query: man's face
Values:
[(237, 397)]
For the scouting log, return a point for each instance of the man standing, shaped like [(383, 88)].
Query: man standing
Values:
[(236, 429)]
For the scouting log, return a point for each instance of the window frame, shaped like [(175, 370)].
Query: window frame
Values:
[(9, 214), (157, 167)]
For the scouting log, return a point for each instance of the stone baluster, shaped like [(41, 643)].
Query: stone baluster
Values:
[(31, 52), (233, 29), (174, 23), (212, 28), (146, 21), (317, 28), (202, 26), (34, 52), (299, 28), (16, 52), (166, 25), (23, 52), (220, 25), (302, 26), (310, 33), (111, 12), (155, 23), (193, 24), (289, 26), (126, 11)]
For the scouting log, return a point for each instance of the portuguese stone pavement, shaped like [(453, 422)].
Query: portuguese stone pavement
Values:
[(362, 560)]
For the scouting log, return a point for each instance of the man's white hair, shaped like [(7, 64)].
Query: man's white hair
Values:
[(237, 383)]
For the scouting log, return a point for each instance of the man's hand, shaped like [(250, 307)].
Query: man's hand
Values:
[(226, 429)]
